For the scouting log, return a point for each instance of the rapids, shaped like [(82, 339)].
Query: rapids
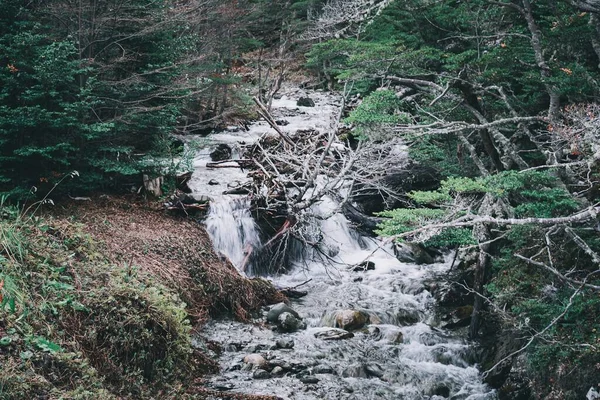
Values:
[(402, 354)]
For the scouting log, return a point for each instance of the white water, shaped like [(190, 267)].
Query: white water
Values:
[(393, 294), (232, 228)]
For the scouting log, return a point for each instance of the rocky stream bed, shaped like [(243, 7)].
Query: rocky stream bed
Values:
[(368, 326)]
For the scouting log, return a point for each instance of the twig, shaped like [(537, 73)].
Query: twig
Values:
[(262, 110)]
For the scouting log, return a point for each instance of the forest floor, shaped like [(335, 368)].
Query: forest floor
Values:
[(102, 299)]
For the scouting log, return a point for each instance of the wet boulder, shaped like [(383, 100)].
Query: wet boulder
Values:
[(322, 369), (364, 266), (277, 310), (441, 390), (334, 334), (459, 317), (305, 102), (261, 374), (285, 343), (221, 152), (309, 379), (256, 360), (351, 319), (403, 317), (355, 371), (287, 322)]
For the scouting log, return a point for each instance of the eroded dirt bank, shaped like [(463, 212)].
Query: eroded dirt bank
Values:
[(101, 299)]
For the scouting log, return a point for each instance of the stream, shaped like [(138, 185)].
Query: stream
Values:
[(400, 353)]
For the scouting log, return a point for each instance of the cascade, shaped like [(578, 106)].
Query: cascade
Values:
[(232, 229), (401, 354)]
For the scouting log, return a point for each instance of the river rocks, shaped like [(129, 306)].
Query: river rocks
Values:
[(406, 317), (441, 390), (277, 371), (287, 322), (286, 318), (277, 310), (213, 182), (322, 369), (459, 317), (351, 319), (223, 386), (305, 102), (364, 266), (334, 334), (285, 343), (309, 379), (221, 153), (256, 360), (355, 371), (255, 348), (261, 374)]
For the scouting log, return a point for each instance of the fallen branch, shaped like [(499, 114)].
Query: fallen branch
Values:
[(557, 273), (582, 216), (262, 110)]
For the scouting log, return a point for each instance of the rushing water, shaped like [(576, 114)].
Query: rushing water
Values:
[(400, 355)]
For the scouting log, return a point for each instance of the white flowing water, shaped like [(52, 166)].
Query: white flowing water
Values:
[(412, 357), (232, 228)]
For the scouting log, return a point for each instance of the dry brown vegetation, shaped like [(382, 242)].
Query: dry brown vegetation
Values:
[(100, 300), (174, 249)]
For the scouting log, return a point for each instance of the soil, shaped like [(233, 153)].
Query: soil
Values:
[(175, 248)]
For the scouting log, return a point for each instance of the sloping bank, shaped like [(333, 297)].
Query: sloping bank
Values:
[(99, 301)]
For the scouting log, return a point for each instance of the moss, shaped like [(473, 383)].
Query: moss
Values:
[(76, 325)]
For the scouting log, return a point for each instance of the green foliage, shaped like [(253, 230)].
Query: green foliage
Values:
[(67, 335), (451, 237), (350, 59), (377, 113), (62, 109)]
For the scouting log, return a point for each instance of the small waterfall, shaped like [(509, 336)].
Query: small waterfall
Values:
[(403, 352), (232, 229)]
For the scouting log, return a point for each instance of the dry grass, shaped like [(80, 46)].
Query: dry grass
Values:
[(175, 249), (98, 313)]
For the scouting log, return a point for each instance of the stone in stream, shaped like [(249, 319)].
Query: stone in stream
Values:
[(334, 334), (277, 371), (322, 369), (441, 390), (255, 348), (305, 102), (351, 319), (261, 374), (277, 310), (286, 322), (256, 360), (309, 379), (364, 266), (406, 317), (355, 371), (221, 153), (223, 386), (391, 334), (285, 343)]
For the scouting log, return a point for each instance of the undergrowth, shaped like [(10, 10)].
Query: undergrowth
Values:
[(75, 326)]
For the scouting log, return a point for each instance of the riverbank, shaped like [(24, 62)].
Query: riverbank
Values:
[(101, 298)]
